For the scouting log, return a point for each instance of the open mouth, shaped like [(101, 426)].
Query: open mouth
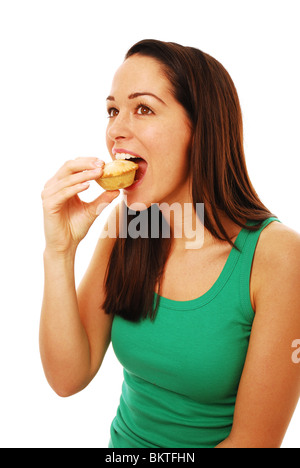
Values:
[(141, 171)]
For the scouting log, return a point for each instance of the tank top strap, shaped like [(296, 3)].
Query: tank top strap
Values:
[(247, 243)]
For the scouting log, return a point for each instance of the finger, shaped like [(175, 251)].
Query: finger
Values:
[(97, 206), (61, 197), (83, 176), (73, 179), (74, 166)]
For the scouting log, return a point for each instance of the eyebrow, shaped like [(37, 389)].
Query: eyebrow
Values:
[(136, 95)]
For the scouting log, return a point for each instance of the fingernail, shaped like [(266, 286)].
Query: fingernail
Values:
[(99, 163)]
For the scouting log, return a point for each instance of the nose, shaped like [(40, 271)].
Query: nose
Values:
[(119, 128)]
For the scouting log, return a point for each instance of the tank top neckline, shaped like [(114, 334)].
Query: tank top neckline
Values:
[(219, 283)]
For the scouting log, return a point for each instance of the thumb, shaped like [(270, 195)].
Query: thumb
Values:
[(97, 206)]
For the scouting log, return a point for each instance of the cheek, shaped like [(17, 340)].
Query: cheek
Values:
[(174, 152), (109, 142)]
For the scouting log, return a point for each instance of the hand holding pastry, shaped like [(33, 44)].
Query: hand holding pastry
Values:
[(67, 219)]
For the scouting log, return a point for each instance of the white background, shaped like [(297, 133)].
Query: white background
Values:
[(57, 60)]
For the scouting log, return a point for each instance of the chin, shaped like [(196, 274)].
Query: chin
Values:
[(137, 202)]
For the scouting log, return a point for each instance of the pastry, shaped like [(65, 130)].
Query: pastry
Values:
[(118, 174)]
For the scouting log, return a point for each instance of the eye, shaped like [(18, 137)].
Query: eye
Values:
[(142, 109), (112, 112)]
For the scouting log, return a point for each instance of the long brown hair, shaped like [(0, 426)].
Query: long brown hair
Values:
[(217, 164)]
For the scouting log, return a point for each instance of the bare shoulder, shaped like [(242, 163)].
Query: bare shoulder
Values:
[(277, 244), (276, 264), (270, 384)]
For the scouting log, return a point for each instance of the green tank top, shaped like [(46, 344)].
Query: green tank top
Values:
[(182, 370)]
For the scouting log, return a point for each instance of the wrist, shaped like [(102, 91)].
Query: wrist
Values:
[(63, 256)]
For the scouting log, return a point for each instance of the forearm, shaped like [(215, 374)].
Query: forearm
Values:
[(64, 344)]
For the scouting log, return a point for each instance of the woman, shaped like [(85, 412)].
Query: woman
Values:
[(205, 335)]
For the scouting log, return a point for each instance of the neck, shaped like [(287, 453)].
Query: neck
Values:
[(186, 224)]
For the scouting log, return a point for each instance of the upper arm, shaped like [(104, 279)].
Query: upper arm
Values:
[(270, 384), (91, 296)]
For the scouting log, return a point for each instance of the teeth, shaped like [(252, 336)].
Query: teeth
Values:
[(125, 156)]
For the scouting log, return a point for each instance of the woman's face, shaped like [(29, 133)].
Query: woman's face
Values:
[(146, 121)]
